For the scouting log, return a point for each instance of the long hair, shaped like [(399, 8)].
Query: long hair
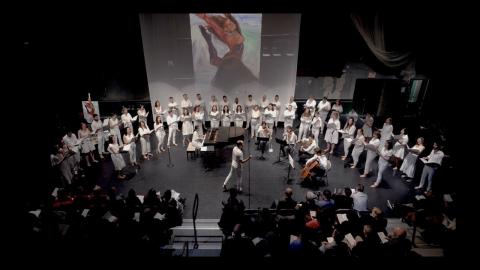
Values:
[(220, 20)]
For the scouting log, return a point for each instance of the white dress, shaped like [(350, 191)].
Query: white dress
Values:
[(187, 126), (399, 147), (87, 145), (160, 133), (127, 120), (317, 126), (142, 116), (288, 117), (331, 136), (145, 140), (214, 119), (239, 118), (270, 116), (198, 121), (324, 108), (410, 160), (158, 112), (348, 138), (367, 127), (357, 149), (117, 158), (128, 139), (226, 119)]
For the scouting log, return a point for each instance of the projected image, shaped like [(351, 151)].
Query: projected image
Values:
[(226, 48)]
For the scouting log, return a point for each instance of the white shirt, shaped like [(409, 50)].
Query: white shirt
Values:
[(360, 200), (172, 105), (142, 113), (293, 104), (128, 138), (213, 103), (200, 103), (198, 116), (436, 157), (256, 114), (338, 108), (375, 142), (97, 125), (112, 122), (143, 131), (158, 110), (226, 116), (322, 160), (223, 104), (237, 157), (306, 120), (239, 115), (310, 103), (264, 103), (310, 149), (386, 154), (71, 142), (350, 131), (289, 114), (250, 104), (158, 127), (185, 104), (173, 119), (271, 114), (317, 123), (126, 118), (214, 115), (278, 104), (324, 106), (292, 139), (386, 132), (113, 148), (336, 122)]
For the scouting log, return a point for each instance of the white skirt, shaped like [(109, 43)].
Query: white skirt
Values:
[(399, 150), (87, 146), (187, 128), (118, 161), (408, 165), (331, 136)]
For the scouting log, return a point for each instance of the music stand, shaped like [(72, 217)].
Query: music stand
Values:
[(281, 143), (290, 165), (263, 146)]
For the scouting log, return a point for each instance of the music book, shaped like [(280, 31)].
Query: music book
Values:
[(135, 118), (447, 198), (159, 216), (140, 197), (353, 190), (136, 216), (108, 216), (423, 160), (290, 160), (85, 212), (36, 212), (420, 197), (256, 240), (382, 237), (330, 240), (105, 122), (55, 192), (342, 218), (313, 214), (397, 137), (332, 126), (371, 147), (350, 241)]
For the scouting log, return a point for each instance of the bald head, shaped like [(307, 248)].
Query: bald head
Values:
[(288, 192)]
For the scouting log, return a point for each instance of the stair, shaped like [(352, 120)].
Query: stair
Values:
[(209, 238)]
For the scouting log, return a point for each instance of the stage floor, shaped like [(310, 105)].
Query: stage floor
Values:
[(267, 180)]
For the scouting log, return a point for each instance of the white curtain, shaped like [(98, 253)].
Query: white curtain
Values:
[(375, 38)]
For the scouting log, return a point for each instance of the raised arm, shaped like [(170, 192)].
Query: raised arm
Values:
[(213, 26)]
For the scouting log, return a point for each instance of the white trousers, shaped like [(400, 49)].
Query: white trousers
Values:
[(238, 173), (303, 131), (172, 133), (368, 163), (145, 145)]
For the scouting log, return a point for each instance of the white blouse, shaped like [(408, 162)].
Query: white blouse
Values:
[(172, 119), (143, 131), (185, 104), (256, 114), (338, 108), (324, 106), (215, 115), (306, 120), (317, 123), (128, 138), (311, 103), (289, 114)]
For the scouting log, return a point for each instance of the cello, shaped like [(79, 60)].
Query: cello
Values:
[(305, 173)]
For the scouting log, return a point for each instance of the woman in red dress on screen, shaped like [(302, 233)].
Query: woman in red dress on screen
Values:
[(231, 70)]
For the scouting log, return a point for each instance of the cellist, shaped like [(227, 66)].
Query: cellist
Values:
[(317, 164)]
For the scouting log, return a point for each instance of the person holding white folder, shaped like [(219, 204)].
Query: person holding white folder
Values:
[(187, 126), (432, 163), (144, 133), (157, 109), (172, 122), (359, 146), (172, 106), (383, 161), (117, 158), (226, 116), (255, 121), (130, 140), (126, 118), (263, 105), (86, 144), (372, 152), (310, 104), (186, 104), (324, 107), (317, 126), (214, 117), (305, 123), (113, 124), (198, 117), (410, 160), (288, 117), (142, 114), (277, 106), (348, 134), (270, 116), (399, 148), (249, 104), (97, 128), (239, 116), (160, 133), (331, 136), (292, 103)]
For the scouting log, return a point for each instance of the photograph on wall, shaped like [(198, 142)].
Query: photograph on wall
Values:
[(89, 109), (226, 48)]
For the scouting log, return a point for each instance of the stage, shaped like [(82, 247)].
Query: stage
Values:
[(267, 180)]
